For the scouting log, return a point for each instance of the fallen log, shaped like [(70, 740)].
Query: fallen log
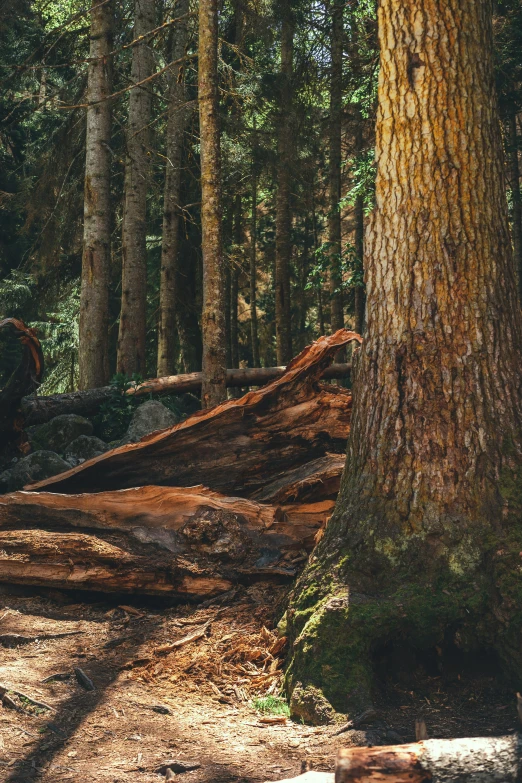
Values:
[(112, 564), (37, 410), (156, 540), (143, 507), (316, 480), (484, 759), (238, 446)]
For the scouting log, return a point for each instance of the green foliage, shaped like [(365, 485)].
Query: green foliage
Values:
[(115, 414), (16, 292), (271, 705)]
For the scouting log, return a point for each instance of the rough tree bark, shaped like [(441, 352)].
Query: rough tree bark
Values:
[(516, 197), (167, 342), (423, 548), (93, 356), (213, 315), (133, 315), (360, 290), (334, 164), (285, 147)]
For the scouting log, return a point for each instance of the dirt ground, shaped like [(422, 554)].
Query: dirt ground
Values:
[(180, 683)]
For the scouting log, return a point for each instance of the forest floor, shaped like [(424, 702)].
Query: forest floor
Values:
[(195, 702)]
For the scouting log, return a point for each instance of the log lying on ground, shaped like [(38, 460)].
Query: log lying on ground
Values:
[(186, 543), (238, 446), (476, 760), (316, 480), (37, 410), (110, 564)]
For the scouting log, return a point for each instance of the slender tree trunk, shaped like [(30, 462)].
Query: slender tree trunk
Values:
[(171, 201), (213, 315), (253, 275), (320, 309), (423, 548), (334, 174), (228, 230), (516, 197), (285, 147), (133, 316), (94, 296), (187, 310), (234, 281)]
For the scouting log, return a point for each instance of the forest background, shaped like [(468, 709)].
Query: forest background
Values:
[(297, 100)]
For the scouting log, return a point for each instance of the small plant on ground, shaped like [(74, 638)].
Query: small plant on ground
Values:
[(271, 705)]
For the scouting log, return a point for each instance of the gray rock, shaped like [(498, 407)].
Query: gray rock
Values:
[(35, 467), (57, 434), (149, 417), (84, 447)]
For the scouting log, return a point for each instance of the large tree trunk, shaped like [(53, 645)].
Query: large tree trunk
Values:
[(285, 147), (234, 281), (133, 315), (167, 342), (213, 315), (334, 164), (424, 545), (94, 295)]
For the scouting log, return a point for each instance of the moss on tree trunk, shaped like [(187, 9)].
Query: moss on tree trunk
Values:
[(424, 544)]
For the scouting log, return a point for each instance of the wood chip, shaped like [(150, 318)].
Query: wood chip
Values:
[(164, 649), (83, 680)]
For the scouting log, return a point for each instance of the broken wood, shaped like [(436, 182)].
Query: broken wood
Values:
[(83, 680), (238, 446), (37, 410), (316, 480), (488, 759), (158, 540), (140, 507), (199, 633), (86, 562)]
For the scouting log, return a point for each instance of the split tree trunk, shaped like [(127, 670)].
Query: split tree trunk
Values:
[(285, 147), (334, 174), (94, 294), (425, 536), (213, 315), (133, 315), (238, 446), (167, 343)]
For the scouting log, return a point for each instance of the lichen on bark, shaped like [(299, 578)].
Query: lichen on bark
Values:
[(425, 540)]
